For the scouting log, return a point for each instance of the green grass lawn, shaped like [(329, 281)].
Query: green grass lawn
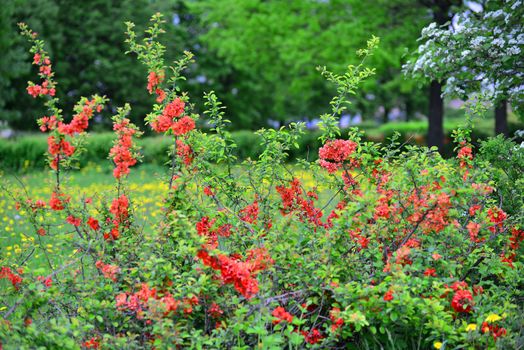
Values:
[(18, 236), (147, 187)]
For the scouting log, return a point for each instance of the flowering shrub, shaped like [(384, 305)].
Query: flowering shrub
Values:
[(387, 248)]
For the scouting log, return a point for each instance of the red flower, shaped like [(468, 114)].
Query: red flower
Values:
[(93, 223), (337, 322), (183, 126), (496, 216), (121, 301), (36, 58), (462, 301), (334, 153), (473, 209), (153, 79), (73, 220), (281, 315), (15, 279), (388, 296), (92, 343), (208, 191), (56, 202), (121, 151), (185, 152), (161, 95), (34, 90), (464, 154), (170, 303), (109, 271), (215, 311), (174, 109), (496, 330), (473, 229), (313, 336), (430, 272), (162, 124), (250, 213), (47, 281), (233, 271)]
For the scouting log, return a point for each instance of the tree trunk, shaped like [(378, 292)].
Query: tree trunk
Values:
[(435, 116), (501, 118), (409, 109), (385, 117), (441, 15)]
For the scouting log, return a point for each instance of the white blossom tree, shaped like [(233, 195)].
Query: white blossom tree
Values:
[(480, 53)]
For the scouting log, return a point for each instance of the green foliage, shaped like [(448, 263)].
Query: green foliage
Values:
[(252, 36), (507, 161), (372, 246)]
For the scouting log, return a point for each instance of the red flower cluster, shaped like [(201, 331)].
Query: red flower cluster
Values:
[(121, 152), (203, 228), (80, 121), (153, 80), (74, 220), (138, 302), (430, 272), (58, 146), (109, 271), (362, 241), (462, 301), (465, 154), (293, 200), (58, 201), (93, 223), (430, 209), (497, 217), (517, 236), (495, 330), (46, 281), (474, 209), (185, 152), (120, 210), (388, 296), (281, 315), (34, 206), (313, 336), (241, 274), (250, 213), (336, 321), (382, 210), (48, 86), (167, 121), (7, 273), (93, 343), (215, 311), (333, 154), (473, 230)]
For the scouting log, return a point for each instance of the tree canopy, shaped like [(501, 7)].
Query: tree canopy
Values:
[(259, 57), (480, 53)]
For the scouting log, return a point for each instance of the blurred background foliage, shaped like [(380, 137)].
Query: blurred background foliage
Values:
[(259, 56)]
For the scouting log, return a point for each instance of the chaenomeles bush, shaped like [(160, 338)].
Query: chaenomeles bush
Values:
[(368, 247)]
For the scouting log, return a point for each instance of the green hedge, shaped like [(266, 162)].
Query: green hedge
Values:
[(26, 152)]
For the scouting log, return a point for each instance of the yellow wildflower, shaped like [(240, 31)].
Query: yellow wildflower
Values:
[(437, 345), (471, 327), (493, 318)]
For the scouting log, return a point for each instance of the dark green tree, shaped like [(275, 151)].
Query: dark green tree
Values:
[(275, 46)]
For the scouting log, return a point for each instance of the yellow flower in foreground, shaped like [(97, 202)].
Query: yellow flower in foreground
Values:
[(471, 327), (437, 345), (493, 318)]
